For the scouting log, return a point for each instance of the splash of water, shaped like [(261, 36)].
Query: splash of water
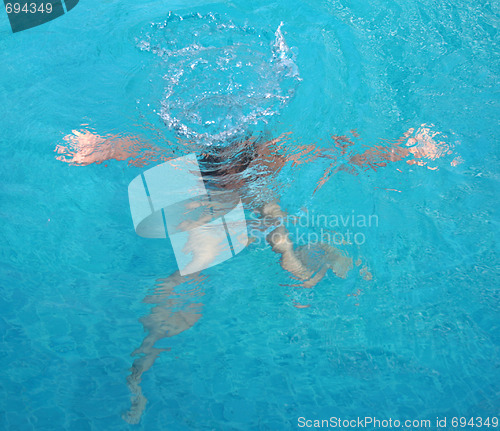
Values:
[(218, 78)]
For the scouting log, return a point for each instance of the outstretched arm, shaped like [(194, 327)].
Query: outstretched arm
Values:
[(415, 144), (84, 147)]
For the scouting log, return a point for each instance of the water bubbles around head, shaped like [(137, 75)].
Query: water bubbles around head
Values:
[(215, 78)]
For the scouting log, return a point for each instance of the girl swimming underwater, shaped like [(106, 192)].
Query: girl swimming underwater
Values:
[(247, 168)]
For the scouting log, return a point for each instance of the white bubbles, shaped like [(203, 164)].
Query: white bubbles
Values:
[(218, 78)]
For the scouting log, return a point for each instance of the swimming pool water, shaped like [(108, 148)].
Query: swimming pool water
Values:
[(418, 340)]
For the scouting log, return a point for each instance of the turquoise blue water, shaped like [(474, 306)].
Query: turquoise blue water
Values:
[(418, 340)]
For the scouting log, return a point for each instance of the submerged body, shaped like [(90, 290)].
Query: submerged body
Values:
[(248, 174)]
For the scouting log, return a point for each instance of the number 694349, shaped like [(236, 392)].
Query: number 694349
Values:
[(28, 8)]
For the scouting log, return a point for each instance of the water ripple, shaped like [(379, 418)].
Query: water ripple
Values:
[(218, 78)]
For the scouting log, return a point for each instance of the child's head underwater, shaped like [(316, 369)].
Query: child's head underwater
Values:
[(227, 161)]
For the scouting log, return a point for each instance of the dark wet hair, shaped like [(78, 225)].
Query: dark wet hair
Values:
[(217, 164)]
